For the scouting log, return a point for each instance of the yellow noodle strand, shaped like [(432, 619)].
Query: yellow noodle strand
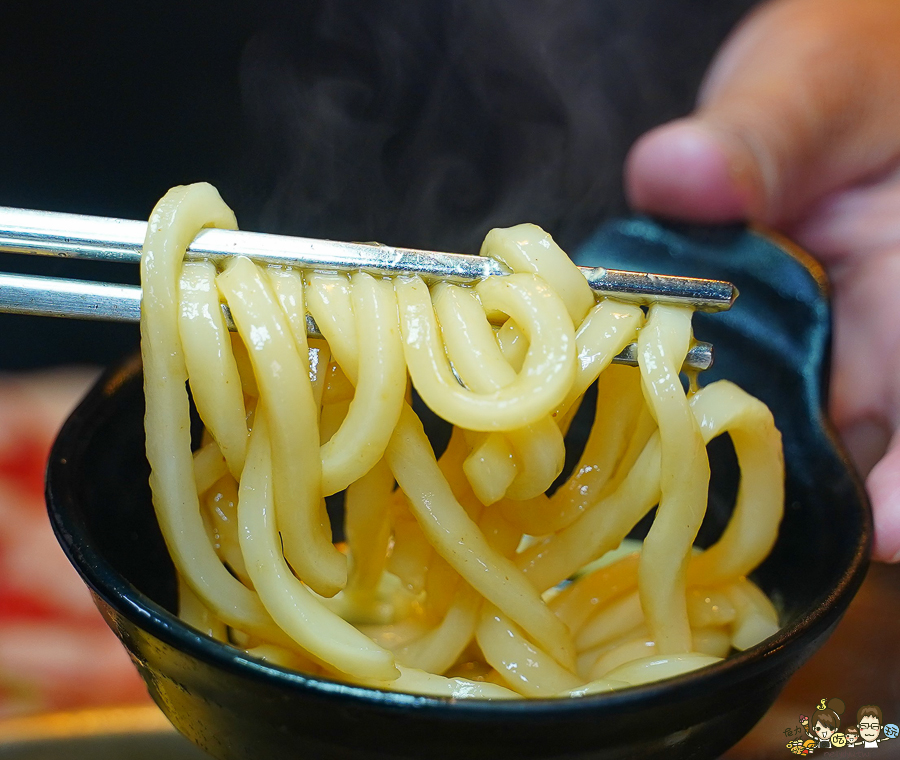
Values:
[(283, 379)]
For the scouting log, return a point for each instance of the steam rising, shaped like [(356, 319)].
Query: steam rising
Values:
[(428, 123)]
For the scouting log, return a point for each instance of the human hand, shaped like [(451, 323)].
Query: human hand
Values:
[(798, 127)]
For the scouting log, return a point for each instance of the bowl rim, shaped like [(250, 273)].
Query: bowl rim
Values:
[(117, 592)]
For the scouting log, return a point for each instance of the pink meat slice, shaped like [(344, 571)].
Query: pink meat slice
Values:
[(55, 650)]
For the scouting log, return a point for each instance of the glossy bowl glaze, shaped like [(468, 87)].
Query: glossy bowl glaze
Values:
[(774, 343)]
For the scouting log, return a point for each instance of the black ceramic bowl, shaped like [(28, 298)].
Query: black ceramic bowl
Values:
[(774, 343)]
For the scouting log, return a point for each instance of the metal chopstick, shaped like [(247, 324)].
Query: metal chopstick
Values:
[(83, 299), (120, 240)]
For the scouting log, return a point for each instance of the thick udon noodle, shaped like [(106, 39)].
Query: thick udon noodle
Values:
[(452, 578)]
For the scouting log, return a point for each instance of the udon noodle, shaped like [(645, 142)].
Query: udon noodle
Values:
[(461, 575)]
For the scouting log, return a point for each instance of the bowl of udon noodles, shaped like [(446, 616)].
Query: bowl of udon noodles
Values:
[(451, 525)]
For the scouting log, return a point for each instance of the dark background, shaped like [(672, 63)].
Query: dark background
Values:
[(419, 124)]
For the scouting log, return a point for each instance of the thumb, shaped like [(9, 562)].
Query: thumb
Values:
[(800, 101)]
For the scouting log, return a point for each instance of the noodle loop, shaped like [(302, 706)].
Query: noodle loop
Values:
[(462, 575)]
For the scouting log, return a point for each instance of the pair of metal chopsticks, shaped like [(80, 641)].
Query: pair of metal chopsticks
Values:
[(44, 233)]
